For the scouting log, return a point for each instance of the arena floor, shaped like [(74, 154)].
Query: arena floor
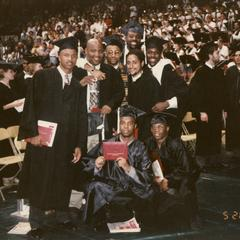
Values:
[(219, 197)]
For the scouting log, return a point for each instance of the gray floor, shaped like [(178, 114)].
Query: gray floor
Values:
[(219, 192)]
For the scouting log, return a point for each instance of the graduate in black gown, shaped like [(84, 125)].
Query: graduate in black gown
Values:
[(233, 105), (55, 96), (115, 186), (173, 89), (9, 116), (208, 99), (103, 87), (143, 90), (179, 169), (21, 83)]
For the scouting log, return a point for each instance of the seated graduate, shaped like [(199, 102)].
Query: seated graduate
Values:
[(116, 186), (179, 170)]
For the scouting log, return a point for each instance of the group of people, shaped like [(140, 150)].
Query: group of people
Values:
[(84, 97)]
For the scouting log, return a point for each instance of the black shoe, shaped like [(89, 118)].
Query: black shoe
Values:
[(68, 226), (36, 233)]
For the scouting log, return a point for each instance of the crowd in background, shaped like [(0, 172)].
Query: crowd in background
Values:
[(192, 23)]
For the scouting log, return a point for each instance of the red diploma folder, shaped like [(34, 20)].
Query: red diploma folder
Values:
[(47, 131), (114, 150)]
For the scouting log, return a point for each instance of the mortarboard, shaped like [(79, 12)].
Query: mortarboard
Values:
[(166, 118), (8, 65), (155, 42), (33, 59), (180, 40), (172, 56), (188, 59), (130, 111), (132, 26), (67, 43)]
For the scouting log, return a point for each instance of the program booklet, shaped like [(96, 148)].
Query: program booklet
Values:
[(47, 131), (124, 227), (114, 150), (157, 170)]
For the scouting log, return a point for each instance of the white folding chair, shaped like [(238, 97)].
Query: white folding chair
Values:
[(186, 136), (8, 160)]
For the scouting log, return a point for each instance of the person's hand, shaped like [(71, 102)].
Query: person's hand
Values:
[(160, 106), (36, 141), (100, 162), (123, 163), (204, 117), (106, 109), (18, 102), (98, 75), (87, 80), (77, 155), (164, 185)]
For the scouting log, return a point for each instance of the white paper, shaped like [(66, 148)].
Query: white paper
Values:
[(127, 226), (21, 228), (157, 170), (52, 127), (20, 108)]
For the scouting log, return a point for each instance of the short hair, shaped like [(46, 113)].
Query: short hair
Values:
[(207, 49), (138, 53)]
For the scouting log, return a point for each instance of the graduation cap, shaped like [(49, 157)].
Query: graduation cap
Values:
[(67, 43), (131, 111), (166, 118), (188, 59), (172, 56), (8, 65), (180, 40), (115, 41), (132, 26), (33, 59), (155, 42)]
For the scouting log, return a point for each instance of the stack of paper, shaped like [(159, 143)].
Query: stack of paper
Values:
[(122, 227)]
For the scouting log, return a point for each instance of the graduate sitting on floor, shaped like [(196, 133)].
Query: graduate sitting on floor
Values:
[(180, 173), (116, 186)]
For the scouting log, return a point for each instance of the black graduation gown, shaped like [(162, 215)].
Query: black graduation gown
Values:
[(111, 94), (144, 94), (233, 109), (172, 85), (208, 94), (111, 185), (47, 171), (9, 117), (19, 84), (180, 169)]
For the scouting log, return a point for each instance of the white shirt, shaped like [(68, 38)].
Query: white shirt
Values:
[(64, 79), (81, 63), (157, 71)]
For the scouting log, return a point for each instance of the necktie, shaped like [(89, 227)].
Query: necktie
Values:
[(66, 81)]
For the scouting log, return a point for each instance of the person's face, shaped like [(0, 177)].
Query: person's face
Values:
[(67, 59), (134, 65), (9, 74), (153, 56), (94, 53), (127, 126), (133, 40), (113, 55), (159, 131), (215, 56), (237, 57)]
